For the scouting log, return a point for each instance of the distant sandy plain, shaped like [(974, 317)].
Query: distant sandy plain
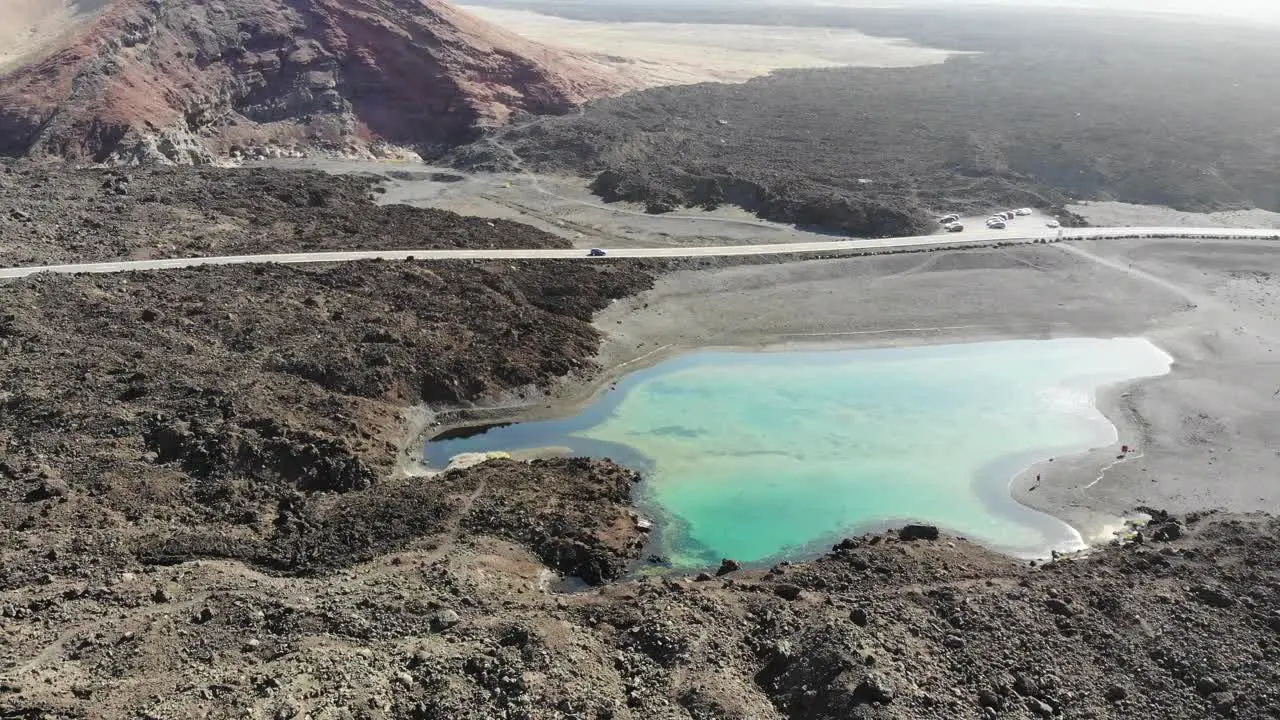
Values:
[(26, 26), (687, 53)]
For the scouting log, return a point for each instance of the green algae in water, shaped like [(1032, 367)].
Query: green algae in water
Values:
[(758, 456)]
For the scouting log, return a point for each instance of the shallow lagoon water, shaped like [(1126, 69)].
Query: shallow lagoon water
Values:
[(765, 455)]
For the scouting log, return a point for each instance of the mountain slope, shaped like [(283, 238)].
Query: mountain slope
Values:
[(188, 81)]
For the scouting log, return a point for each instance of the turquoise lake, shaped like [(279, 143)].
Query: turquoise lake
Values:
[(760, 456)]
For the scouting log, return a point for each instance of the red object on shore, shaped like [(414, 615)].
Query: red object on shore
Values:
[(1124, 449)]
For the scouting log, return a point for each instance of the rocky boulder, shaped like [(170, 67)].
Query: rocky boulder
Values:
[(728, 566), (912, 533)]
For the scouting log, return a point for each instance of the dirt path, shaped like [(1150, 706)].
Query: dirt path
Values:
[(1195, 299), (534, 182), (1267, 330), (53, 651), (453, 528)]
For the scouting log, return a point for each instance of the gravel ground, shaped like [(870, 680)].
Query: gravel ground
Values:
[(1108, 214)]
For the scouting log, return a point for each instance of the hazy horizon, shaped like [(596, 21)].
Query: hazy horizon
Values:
[(1268, 10), (1264, 10)]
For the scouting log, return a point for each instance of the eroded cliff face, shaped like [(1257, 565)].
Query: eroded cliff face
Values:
[(192, 81)]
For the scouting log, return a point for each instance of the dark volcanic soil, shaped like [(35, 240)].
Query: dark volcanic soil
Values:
[(211, 398), (50, 214), (454, 624), (201, 516), (1053, 108)]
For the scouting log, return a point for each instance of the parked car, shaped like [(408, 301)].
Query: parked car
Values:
[(955, 227), (997, 225), (597, 252), (1008, 215), (1022, 211), (1053, 224), (948, 219)]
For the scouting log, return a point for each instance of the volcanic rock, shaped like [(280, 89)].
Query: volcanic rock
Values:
[(918, 532), (1213, 596), (1058, 607), (445, 619), (786, 591), (727, 566), (1116, 693), (875, 687), (192, 81)]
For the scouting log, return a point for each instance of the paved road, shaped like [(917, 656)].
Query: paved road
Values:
[(834, 246)]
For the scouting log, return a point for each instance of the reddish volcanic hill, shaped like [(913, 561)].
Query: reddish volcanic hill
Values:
[(188, 81)]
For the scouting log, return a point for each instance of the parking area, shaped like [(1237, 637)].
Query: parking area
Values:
[(1035, 221)]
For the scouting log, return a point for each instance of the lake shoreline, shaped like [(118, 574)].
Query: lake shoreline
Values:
[(1063, 536), (1221, 378)]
